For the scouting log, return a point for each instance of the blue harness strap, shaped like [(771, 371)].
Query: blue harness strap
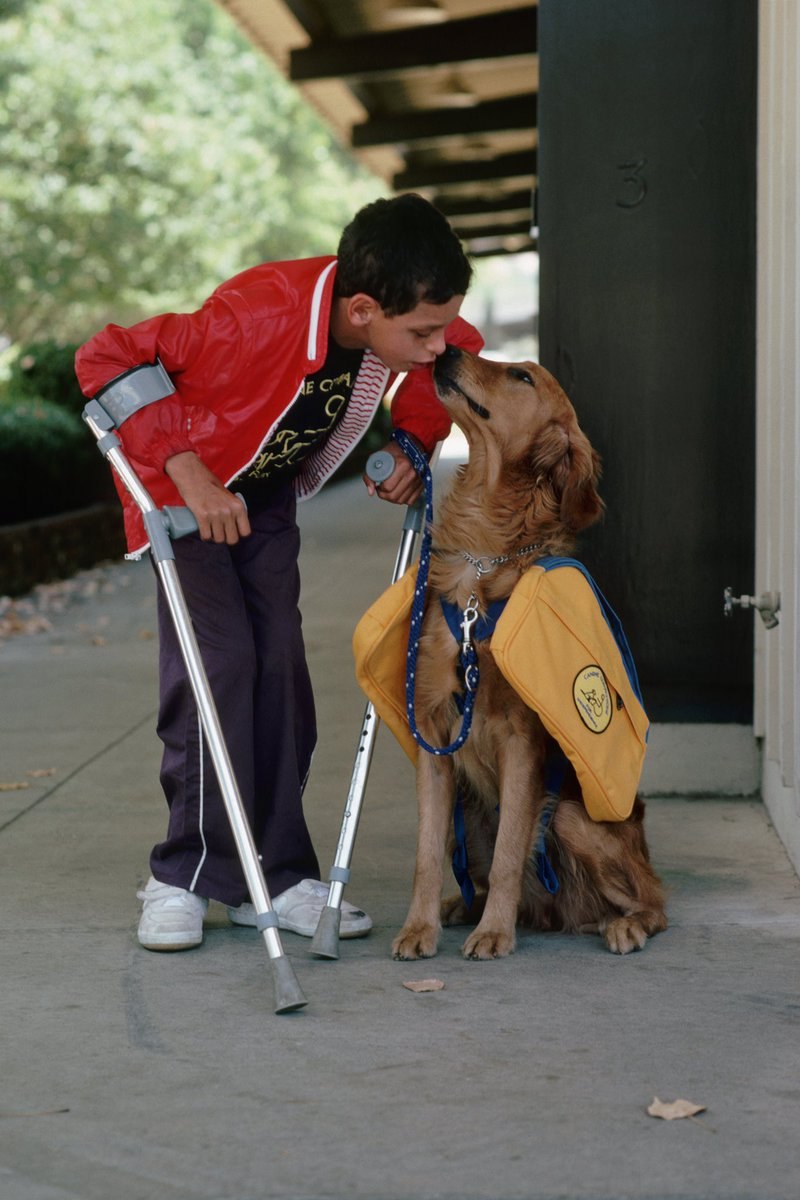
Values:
[(555, 769), (460, 857), (554, 772), (484, 626)]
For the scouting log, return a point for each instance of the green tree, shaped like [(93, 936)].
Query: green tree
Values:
[(148, 153)]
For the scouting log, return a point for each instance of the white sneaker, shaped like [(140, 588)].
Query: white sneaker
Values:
[(299, 909), (172, 918)]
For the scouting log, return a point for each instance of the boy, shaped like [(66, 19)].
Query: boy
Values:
[(262, 393)]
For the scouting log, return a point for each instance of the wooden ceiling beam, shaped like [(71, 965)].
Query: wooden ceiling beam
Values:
[(483, 205), (437, 124), (499, 229), (501, 248), (520, 165), (375, 55)]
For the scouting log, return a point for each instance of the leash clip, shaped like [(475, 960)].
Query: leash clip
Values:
[(470, 617)]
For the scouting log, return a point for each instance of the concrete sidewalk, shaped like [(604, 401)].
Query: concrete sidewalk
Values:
[(128, 1075)]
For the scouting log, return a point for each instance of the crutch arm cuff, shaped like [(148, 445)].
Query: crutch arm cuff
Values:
[(124, 395)]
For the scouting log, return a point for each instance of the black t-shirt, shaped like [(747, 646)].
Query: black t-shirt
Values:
[(318, 408)]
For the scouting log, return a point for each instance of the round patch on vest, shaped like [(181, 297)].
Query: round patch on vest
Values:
[(592, 697)]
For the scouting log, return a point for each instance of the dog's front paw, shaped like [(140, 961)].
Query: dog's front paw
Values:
[(624, 934), (489, 943), (415, 941)]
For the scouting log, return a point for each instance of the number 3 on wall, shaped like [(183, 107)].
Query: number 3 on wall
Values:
[(633, 185)]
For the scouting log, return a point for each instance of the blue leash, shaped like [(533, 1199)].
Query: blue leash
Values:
[(469, 656)]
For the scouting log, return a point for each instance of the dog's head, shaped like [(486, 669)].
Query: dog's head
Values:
[(519, 422)]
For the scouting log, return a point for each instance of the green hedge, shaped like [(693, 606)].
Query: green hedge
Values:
[(46, 371), (49, 462)]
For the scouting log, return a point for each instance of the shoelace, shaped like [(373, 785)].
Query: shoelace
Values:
[(166, 897)]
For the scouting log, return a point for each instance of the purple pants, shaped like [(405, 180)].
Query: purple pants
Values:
[(243, 602)]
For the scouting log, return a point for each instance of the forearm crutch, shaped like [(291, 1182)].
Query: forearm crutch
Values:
[(325, 943), (162, 525)]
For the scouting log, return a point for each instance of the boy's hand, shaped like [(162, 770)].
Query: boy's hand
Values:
[(220, 516), (403, 485)]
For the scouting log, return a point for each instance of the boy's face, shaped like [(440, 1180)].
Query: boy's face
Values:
[(411, 340)]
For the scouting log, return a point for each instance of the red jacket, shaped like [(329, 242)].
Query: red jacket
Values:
[(238, 365)]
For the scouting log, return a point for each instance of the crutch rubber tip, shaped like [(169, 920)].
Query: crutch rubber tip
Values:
[(325, 943), (288, 995)]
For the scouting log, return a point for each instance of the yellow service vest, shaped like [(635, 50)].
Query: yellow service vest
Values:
[(555, 647)]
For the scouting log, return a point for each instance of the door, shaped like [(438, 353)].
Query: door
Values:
[(646, 214)]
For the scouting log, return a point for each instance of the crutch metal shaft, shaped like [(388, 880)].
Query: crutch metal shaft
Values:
[(325, 943), (288, 995)]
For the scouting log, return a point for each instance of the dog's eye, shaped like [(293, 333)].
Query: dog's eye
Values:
[(522, 376)]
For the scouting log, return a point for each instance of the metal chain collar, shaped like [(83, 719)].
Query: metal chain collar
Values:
[(484, 565)]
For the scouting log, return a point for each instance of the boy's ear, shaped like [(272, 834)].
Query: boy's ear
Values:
[(361, 309)]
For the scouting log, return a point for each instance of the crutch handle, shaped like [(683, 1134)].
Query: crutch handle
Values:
[(379, 466), (179, 520)]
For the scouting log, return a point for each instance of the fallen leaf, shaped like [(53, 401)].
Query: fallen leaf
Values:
[(14, 787), (424, 985), (674, 1110)]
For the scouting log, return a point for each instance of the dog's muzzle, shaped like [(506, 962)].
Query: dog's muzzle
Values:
[(445, 381)]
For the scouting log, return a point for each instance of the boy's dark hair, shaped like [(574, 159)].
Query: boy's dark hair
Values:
[(401, 252)]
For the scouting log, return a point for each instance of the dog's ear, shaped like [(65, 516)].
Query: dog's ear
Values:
[(564, 456)]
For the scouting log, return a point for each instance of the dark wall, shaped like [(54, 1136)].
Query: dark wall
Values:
[(646, 211)]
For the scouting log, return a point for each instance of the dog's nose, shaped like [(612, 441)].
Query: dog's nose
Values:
[(448, 358)]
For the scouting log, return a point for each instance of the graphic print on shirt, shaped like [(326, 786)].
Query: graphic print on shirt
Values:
[(318, 408), (292, 441)]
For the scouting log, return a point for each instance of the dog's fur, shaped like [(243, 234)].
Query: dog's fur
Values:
[(531, 478)]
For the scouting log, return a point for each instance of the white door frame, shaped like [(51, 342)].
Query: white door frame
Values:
[(777, 652)]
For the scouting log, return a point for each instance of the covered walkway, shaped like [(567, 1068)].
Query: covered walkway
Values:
[(139, 1076)]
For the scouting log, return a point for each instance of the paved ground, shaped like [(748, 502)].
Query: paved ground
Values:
[(135, 1076)]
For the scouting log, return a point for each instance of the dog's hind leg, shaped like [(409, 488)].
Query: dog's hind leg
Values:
[(419, 936), (641, 901), (617, 863)]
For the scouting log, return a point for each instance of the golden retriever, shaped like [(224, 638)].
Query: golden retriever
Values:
[(531, 478)]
